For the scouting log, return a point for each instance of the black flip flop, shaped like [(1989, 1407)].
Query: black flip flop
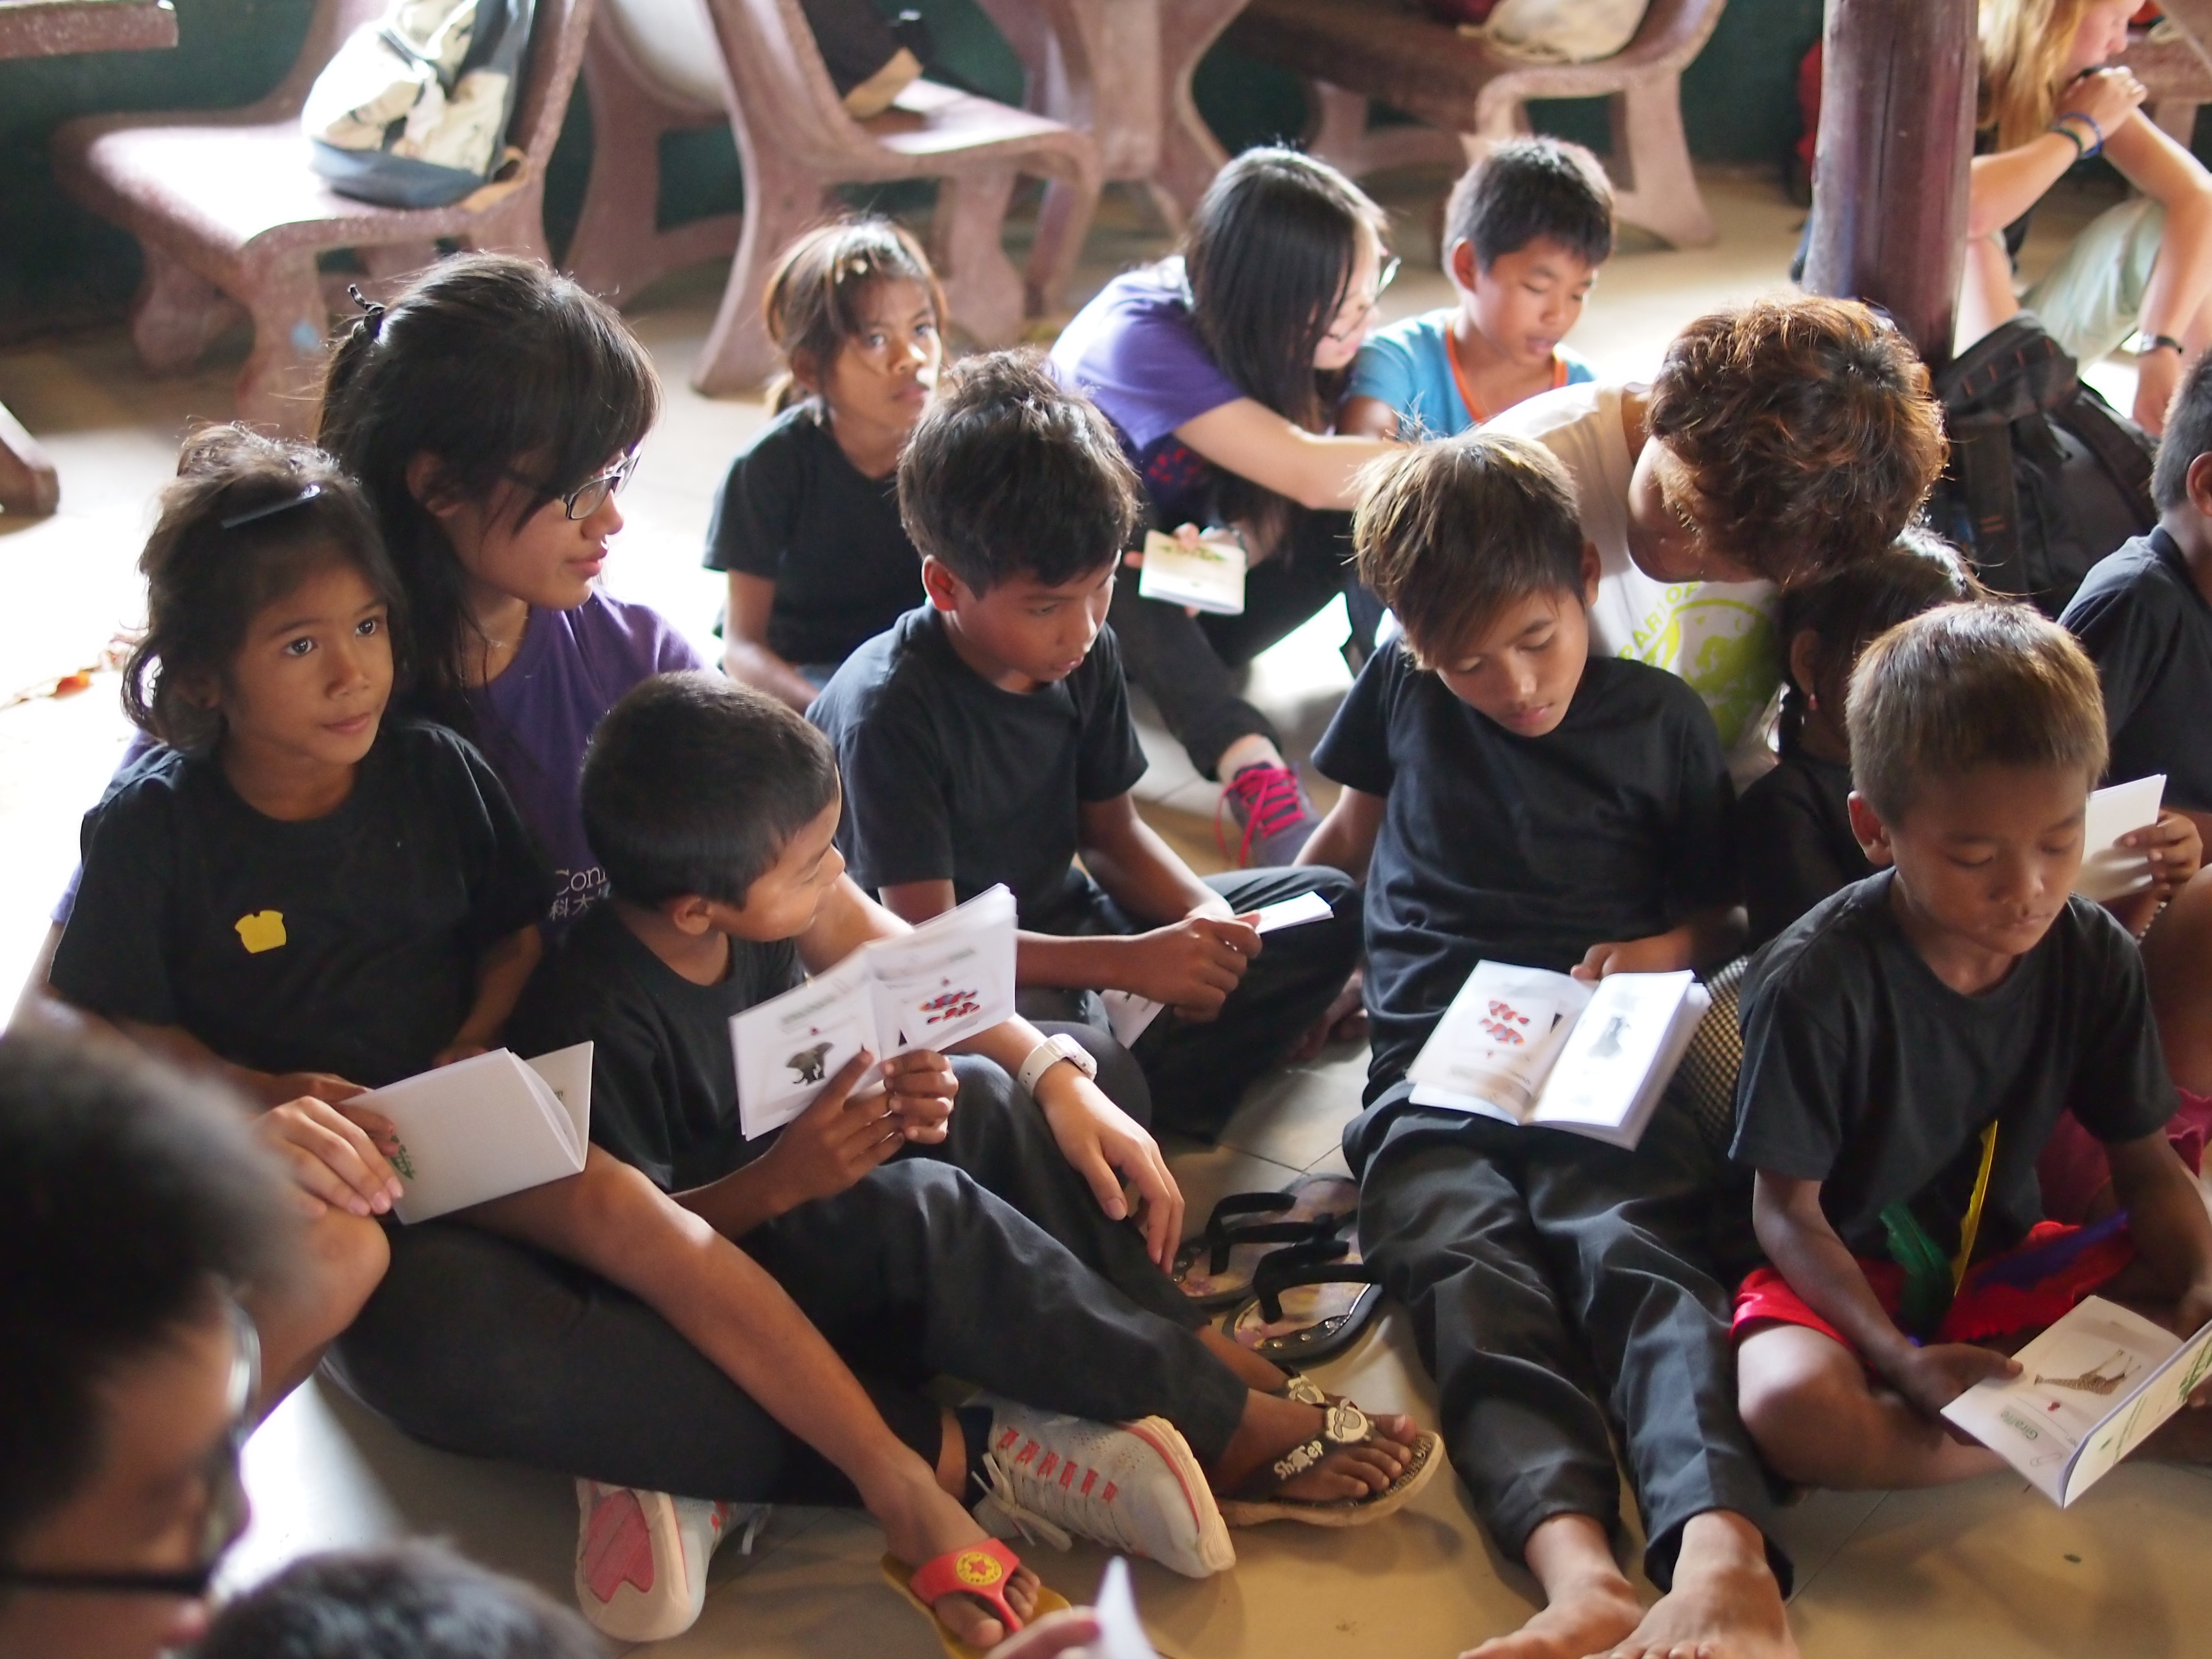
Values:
[(1215, 1269), (1300, 1313)]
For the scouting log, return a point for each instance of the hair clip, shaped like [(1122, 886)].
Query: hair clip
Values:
[(270, 509), (372, 313)]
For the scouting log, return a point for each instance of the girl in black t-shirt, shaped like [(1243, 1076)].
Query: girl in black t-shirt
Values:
[(286, 890), (807, 523)]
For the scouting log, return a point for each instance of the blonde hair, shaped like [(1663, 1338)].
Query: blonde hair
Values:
[(2024, 48)]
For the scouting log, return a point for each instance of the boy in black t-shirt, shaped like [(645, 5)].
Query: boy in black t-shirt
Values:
[(987, 738), (712, 807), (1909, 1046), (1508, 796), (2144, 615)]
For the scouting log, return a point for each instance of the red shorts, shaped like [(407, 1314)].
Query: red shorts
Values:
[(2074, 1170), (2029, 1287)]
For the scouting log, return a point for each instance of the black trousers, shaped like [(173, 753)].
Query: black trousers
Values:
[(1189, 664), (1197, 1070), (1563, 1293), (487, 1347)]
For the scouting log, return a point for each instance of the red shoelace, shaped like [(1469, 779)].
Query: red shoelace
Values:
[(1267, 798)]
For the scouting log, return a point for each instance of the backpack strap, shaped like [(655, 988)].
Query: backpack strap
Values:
[(1981, 460), (2120, 446)]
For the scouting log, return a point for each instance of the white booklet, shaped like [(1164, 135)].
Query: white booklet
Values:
[(2109, 872), (486, 1126), (2090, 1390), (1131, 1016), (944, 982), (1532, 1046), (1208, 576)]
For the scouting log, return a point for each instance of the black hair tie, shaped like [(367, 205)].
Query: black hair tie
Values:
[(372, 313)]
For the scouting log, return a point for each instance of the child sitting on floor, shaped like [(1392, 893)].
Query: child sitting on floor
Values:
[(713, 808), (987, 738), (1794, 824), (807, 523), (1525, 231), (287, 890), (1508, 795), (1908, 1046)]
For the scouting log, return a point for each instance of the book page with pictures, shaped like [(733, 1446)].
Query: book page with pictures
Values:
[(1497, 1042), (789, 1047), (1617, 1059), (1208, 575), (486, 1126), (2090, 1390)]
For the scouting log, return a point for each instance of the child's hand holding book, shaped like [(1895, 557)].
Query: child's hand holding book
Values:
[(1190, 965), (338, 1159), (834, 1141)]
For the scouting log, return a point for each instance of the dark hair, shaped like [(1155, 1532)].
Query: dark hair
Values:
[(1848, 607), (815, 293), (1527, 188), (2188, 434), (693, 785), (1010, 474), (1269, 259), (246, 521), (498, 368), (1450, 533), (412, 1601), (129, 1198), (1965, 686), (1806, 426)]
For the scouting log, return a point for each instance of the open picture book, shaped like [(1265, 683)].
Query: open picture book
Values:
[(1208, 576), (2090, 1390), (486, 1126), (944, 982), (1532, 1046), (2109, 872)]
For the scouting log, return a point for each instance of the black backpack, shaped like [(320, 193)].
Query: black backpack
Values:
[(2045, 477)]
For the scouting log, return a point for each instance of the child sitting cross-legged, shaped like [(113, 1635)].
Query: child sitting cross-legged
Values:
[(287, 889), (712, 806), (1510, 795), (1909, 1046), (1525, 231), (987, 738)]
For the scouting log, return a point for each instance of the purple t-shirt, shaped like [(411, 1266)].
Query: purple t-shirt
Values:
[(535, 719), (1134, 351)]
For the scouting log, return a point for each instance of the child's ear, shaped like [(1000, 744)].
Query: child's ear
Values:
[(1805, 660), (426, 481), (806, 372), (938, 581), (1870, 832), (1461, 264), (2200, 485), (1592, 569), (690, 915)]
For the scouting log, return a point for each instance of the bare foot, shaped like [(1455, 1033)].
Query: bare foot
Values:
[(1725, 1603), (1253, 1372), (1273, 1426), (1584, 1617), (922, 1522), (1344, 1020)]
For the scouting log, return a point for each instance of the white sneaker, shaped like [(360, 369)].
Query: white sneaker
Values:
[(642, 1558), (1135, 1487)]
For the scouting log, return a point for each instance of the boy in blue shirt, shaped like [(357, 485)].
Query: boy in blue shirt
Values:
[(1508, 796), (1525, 231)]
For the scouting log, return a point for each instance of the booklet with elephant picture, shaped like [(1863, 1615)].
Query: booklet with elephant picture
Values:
[(930, 988), (486, 1126), (1537, 1048), (2090, 1390)]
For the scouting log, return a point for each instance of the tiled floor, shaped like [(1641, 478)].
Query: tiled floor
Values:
[(1987, 1569)]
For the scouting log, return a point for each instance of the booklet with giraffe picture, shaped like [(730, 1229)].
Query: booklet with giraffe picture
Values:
[(930, 988), (2090, 1390), (1532, 1046)]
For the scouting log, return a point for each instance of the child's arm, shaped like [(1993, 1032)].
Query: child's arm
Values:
[(1806, 1251), (2166, 1215), (746, 655), (1345, 838), (1366, 418), (502, 970), (1710, 936)]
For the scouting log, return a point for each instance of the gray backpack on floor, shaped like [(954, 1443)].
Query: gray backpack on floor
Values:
[(413, 110)]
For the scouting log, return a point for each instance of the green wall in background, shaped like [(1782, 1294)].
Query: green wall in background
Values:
[(61, 267)]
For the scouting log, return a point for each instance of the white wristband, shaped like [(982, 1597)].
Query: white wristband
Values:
[(1048, 1054)]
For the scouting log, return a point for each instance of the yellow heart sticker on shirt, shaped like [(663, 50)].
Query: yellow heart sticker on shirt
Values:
[(262, 931)]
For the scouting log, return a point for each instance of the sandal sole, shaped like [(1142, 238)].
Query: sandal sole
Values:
[(896, 1572), (1428, 1455), (1328, 1337), (1194, 1250)]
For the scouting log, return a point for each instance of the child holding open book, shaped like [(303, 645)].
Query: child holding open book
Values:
[(1909, 1046), (290, 890), (1510, 795), (712, 806)]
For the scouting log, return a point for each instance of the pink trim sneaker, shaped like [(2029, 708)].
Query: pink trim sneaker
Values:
[(1269, 807), (641, 1558)]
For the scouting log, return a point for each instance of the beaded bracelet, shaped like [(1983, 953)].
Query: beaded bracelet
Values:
[(2091, 122)]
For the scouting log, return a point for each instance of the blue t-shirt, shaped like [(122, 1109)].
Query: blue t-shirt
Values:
[(1135, 352), (1408, 366)]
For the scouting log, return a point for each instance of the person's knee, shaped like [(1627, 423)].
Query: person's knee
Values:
[(345, 1259), (1793, 1387)]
